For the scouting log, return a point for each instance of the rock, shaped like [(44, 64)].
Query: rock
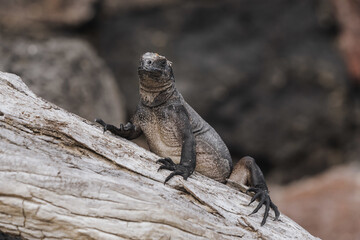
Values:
[(22, 14), (65, 71), (348, 15), (326, 205), (62, 177), (112, 7)]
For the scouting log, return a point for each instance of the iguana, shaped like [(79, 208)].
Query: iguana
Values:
[(186, 142)]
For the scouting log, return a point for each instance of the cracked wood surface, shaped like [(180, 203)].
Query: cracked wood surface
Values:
[(61, 177)]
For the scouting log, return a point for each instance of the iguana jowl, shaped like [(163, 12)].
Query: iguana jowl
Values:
[(176, 132)]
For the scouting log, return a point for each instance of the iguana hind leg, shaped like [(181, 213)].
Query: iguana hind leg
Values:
[(247, 172)]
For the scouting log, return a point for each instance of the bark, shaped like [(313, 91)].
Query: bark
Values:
[(61, 177)]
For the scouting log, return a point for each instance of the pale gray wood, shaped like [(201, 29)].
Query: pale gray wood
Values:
[(61, 177)]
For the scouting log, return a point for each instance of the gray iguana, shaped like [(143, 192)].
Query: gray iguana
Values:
[(186, 142)]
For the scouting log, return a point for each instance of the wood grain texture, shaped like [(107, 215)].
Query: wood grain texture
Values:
[(61, 177)]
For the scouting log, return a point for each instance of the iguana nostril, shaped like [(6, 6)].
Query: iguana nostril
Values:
[(163, 62)]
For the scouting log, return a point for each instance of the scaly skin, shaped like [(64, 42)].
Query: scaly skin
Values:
[(177, 133)]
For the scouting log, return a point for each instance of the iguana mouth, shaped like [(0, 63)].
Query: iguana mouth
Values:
[(150, 72)]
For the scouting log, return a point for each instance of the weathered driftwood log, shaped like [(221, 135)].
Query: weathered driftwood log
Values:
[(61, 177)]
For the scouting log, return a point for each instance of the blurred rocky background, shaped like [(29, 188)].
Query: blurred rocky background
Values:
[(279, 80)]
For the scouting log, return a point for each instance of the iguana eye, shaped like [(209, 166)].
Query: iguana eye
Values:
[(148, 62)]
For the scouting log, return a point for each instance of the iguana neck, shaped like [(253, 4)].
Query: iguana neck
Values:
[(156, 96)]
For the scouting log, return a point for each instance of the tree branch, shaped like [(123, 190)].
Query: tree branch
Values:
[(62, 177)]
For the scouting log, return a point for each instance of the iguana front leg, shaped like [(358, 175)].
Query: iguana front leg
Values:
[(128, 131), (247, 172), (180, 123)]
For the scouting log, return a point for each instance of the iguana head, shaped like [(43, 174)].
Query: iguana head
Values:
[(157, 82), (155, 70)]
